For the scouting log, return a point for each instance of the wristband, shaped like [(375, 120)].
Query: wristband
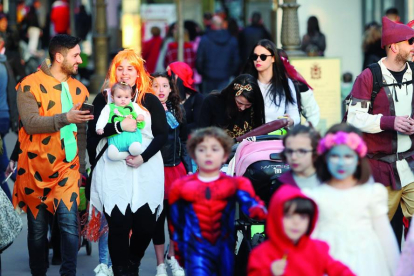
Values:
[(116, 128)]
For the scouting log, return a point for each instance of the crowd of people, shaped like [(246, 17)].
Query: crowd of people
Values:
[(159, 131)]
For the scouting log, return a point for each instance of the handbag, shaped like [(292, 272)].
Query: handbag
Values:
[(10, 222)]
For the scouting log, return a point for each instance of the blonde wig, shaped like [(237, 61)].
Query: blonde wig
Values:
[(143, 81)]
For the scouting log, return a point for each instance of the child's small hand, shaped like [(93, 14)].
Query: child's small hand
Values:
[(128, 116), (278, 267), (140, 118), (258, 212), (99, 131)]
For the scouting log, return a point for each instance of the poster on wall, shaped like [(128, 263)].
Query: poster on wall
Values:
[(157, 15), (323, 74)]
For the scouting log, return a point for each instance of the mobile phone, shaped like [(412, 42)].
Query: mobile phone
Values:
[(86, 106)]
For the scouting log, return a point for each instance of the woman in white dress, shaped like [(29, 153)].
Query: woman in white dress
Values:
[(129, 192), (353, 213)]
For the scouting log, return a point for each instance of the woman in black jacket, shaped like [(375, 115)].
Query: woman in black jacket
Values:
[(177, 162), (238, 108)]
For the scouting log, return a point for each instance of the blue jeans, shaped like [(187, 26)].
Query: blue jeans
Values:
[(4, 159), (104, 257), (37, 239)]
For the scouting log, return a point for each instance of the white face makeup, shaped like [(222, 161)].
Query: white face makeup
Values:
[(342, 162)]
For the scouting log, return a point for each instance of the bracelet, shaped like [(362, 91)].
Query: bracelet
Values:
[(116, 129)]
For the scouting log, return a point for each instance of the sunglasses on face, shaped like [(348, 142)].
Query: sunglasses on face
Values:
[(263, 57), (410, 42)]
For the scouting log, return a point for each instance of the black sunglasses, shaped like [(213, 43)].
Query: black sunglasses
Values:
[(410, 42), (263, 57)]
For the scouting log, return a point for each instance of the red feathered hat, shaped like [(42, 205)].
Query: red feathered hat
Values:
[(393, 32), (184, 72)]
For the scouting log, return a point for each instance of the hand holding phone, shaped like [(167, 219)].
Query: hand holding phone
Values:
[(87, 107), (80, 115)]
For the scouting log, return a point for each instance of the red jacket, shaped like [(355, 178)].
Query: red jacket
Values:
[(150, 52), (308, 257), (172, 54), (59, 16)]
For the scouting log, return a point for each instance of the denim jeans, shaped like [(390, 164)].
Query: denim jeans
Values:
[(37, 239), (4, 160), (104, 257)]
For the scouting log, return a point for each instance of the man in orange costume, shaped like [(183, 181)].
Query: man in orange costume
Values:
[(48, 163)]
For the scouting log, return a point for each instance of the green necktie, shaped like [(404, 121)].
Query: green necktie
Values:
[(67, 132)]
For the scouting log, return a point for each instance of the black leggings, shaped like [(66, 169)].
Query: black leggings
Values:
[(121, 248), (159, 237)]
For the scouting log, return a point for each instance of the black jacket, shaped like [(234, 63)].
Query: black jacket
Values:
[(174, 151), (11, 95)]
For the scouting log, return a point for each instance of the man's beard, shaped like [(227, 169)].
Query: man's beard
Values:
[(68, 69), (404, 57)]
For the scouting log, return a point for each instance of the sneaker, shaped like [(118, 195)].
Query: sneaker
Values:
[(161, 270), (176, 269), (102, 270), (110, 271)]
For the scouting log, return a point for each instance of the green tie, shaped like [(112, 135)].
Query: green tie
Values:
[(67, 132)]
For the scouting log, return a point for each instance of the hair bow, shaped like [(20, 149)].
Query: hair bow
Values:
[(240, 88)]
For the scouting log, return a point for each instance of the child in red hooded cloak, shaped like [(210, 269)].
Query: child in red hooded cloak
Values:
[(290, 251)]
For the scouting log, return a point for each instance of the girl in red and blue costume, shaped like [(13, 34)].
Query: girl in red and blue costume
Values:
[(203, 207)]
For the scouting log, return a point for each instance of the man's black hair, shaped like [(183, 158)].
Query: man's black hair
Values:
[(347, 77), (61, 43), (256, 18), (392, 11), (207, 16)]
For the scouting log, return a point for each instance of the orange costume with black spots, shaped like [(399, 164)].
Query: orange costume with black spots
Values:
[(44, 177)]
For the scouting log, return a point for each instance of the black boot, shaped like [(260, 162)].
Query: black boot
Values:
[(133, 268), (120, 270)]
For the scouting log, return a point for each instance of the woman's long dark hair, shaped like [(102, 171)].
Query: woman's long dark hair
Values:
[(313, 26), (173, 98), (279, 86), (254, 97)]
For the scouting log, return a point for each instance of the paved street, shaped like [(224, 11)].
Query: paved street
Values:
[(15, 260)]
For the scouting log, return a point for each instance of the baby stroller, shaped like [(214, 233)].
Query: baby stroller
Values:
[(259, 160)]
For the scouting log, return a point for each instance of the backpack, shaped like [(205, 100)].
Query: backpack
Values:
[(376, 86)]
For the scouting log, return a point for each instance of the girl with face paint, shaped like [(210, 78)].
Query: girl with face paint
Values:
[(353, 212)]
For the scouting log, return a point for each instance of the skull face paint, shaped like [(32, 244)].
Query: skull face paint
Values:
[(342, 162)]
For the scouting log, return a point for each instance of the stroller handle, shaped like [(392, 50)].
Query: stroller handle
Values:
[(268, 137), (264, 129)]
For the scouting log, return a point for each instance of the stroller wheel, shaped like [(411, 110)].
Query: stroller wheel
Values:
[(88, 246)]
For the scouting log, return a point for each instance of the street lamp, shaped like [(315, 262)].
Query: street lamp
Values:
[(290, 28), (100, 46)]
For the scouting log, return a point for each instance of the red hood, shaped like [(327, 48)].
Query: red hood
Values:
[(274, 228)]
